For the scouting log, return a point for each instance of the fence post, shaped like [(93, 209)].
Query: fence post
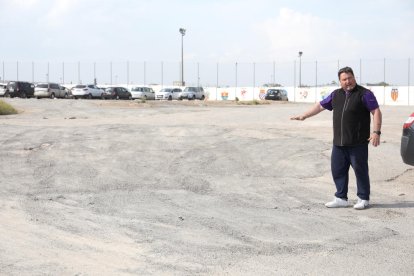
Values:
[(409, 65), (217, 79), (384, 81), (316, 81), (145, 73), (162, 74), (110, 71), (294, 80), (198, 74), (235, 89), (17, 70), (254, 79)]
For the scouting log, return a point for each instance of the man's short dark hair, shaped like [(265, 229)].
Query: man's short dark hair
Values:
[(347, 70)]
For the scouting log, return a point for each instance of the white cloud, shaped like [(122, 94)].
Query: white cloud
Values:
[(293, 31), (58, 12), (23, 4)]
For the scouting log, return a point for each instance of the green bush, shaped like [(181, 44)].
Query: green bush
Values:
[(6, 109)]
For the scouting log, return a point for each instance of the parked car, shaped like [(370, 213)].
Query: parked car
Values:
[(86, 91), (67, 91), (142, 92), (167, 94), (407, 141), (49, 90), (22, 89), (3, 87), (192, 93), (276, 95), (116, 93)]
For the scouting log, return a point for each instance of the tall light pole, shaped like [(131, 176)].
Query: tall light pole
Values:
[(182, 32), (300, 68)]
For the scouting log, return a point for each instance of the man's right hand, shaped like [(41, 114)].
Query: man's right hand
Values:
[(299, 118)]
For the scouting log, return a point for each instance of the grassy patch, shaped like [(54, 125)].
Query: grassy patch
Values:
[(6, 109)]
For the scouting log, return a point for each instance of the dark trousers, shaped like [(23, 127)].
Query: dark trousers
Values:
[(341, 159)]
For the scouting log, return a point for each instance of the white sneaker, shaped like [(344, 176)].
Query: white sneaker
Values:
[(361, 204), (337, 203)]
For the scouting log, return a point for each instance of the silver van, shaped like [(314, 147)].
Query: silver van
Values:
[(49, 90)]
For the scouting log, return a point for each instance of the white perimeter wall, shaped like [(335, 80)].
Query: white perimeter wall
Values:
[(404, 94)]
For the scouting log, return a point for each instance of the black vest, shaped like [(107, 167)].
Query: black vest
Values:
[(351, 119)]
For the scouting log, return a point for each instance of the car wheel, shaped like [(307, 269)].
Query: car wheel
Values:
[(117, 97), (23, 95), (170, 98), (66, 96), (180, 98), (202, 98), (90, 96), (130, 97), (7, 95), (52, 96)]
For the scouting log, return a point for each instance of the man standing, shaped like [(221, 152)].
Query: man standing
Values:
[(351, 105)]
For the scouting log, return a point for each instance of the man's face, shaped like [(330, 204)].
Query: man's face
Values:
[(347, 81)]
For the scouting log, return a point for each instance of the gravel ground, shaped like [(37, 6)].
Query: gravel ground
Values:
[(92, 187)]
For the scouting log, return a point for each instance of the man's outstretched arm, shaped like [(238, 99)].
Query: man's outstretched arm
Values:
[(315, 109)]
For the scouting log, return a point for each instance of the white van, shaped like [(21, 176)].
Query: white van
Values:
[(49, 90)]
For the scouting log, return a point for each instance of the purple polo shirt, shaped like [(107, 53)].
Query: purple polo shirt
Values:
[(368, 99)]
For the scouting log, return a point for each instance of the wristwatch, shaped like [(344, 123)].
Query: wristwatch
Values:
[(377, 132)]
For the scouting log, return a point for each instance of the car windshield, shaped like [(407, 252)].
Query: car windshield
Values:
[(192, 89), (80, 86), (166, 90), (136, 89), (42, 85), (11, 84)]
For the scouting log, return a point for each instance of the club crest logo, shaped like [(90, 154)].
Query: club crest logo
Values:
[(262, 94), (243, 93), (303, 94), (224, 95), (394, 94)]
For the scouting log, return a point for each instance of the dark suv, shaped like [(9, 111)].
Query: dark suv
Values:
[(20, 89), (407, 141), (276, 95), (116, 93)]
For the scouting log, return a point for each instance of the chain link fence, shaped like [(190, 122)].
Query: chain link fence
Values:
[(398, 72)]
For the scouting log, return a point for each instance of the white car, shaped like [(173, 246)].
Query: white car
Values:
[(3, 87), (167, 94), (143, 92), (192, 93), (86, 91)]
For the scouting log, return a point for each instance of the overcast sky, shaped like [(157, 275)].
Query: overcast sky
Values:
[(217, 31)]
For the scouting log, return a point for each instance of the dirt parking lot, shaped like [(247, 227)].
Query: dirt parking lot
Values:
[(91, 187)]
